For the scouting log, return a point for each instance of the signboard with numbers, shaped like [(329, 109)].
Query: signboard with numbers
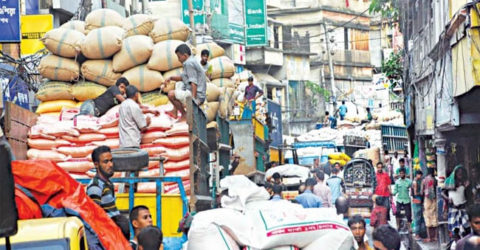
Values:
[(9, 21), (256, 22)]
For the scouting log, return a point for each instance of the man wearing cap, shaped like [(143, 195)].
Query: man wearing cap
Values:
[(252, 93)]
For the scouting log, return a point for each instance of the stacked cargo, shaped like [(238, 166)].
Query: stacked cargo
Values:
[(88, 57)]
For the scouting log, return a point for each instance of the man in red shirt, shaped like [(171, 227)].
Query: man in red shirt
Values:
[(382, 187)]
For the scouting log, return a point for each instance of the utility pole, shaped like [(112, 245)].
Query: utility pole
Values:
[(192, 22), (330, 65)]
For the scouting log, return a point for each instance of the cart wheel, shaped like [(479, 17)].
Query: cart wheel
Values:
[(129, 159)]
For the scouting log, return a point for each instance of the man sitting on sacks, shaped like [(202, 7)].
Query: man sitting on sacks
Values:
[(192, 82)]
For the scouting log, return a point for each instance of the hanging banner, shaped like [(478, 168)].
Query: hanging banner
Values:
[(275, 114), (256, 23), (9, 21), (33, 28)]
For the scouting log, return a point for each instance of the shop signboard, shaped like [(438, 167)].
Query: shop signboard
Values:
[(10, 21), (275, 114), (34, 27), (198, 12), (256, 22)]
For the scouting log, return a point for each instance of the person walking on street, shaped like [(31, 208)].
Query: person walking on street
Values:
[(335, 183), (100, 105), (385, 237), (150, 238), (417, 203), (322, 190), (429, 188), (402, 195), (455, 186), (382, 187), (132, 121), (307, 199), (277, 192), (192, 82), (252, 93), (473, 212), (342, 111), (379, 213), (401, 163), (358, 227)]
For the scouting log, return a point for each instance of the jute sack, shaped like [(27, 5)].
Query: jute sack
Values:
[(225, 101), (135, 50), (163, 57), (103, 17), (83, 91), (74, 25), (211, 109), (100, 71), (52, 90), (154, 98), (214, 49), (103, 42), (143, 78), (139, 24), (58, 68), (171, 84), (222, 67), (63, 42), (213, 92), (169, 29), (224, 82)]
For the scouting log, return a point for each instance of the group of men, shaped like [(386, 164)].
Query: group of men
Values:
[(101, 191), (331, 119)]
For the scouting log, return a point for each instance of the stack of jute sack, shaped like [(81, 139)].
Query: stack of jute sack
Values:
[(69, 141), (87, 57)]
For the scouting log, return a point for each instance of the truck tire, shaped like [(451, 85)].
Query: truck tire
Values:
[(129, 159)]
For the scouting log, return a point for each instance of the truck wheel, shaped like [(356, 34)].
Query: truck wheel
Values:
[(129, 159)]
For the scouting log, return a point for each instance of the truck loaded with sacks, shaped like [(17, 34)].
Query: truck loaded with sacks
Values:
[(87, 57)]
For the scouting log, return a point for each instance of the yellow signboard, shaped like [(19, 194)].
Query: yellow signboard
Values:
[(33, 27)]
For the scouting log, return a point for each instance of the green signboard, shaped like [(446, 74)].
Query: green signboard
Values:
[(256, 23), (237, 33), (198, 12), (228, 20)]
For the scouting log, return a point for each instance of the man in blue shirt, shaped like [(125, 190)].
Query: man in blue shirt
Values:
[(336, 184), (342, 111), (307, 199), (277, 192), (330, 119)]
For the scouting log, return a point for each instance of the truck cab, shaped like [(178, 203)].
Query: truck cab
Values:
[(62, 233)]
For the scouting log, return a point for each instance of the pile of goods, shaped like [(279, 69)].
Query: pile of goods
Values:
[(340, 158), (70, 140), (88, 57)]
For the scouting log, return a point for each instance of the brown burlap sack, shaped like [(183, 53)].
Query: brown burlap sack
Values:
[(173, 72), (214, 49), (224, 82), (163, 57), (63, 42), (59, 68), (100, 71), (135, 50), (83, 91), (103, 42), (53, 90), (213, 92), (102, 18), (75, 25), (169, 29), (143, 78), (139, 24), (222, 67)]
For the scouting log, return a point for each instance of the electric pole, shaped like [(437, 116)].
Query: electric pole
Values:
[(332, 75), (192, 22)]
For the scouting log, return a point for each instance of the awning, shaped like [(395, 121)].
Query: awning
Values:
[(268, 80)]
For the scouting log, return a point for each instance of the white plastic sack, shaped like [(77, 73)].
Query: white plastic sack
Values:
[(341, 240), (240, 191), (289, 170)]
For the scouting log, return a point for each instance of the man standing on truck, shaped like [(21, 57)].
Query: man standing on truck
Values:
[(100, 105), (252, 93), (207, 67), (382, 188), (132, 121), (140, 218), (342, 111), (194, 82), (100, 189)]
